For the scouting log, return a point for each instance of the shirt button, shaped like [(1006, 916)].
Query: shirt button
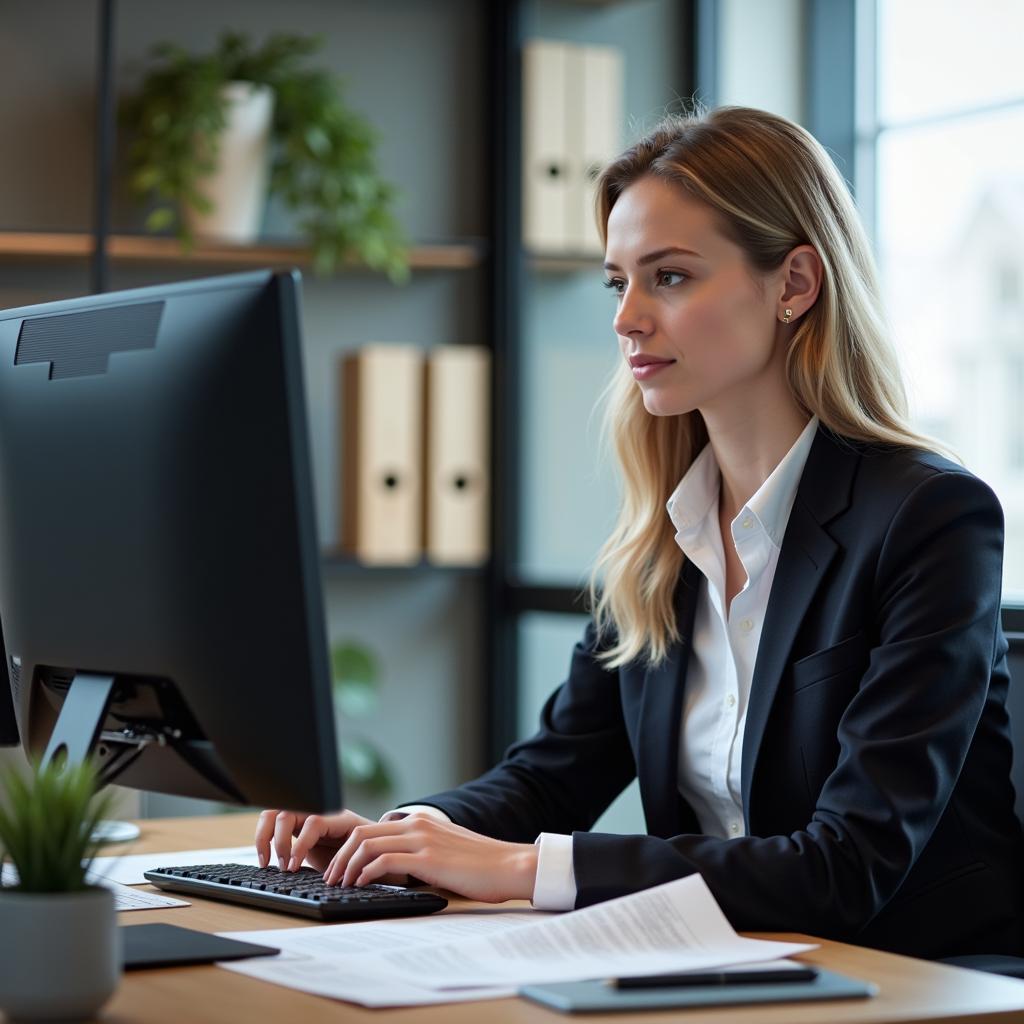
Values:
[(734, 828), (746, 625), (730, 701), (748, 523)]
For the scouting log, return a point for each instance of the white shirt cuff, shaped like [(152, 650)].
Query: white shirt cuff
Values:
[(555, 885), (407, 809)]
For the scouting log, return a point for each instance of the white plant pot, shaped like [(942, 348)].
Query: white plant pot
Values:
[(60, 954), (238, 187)]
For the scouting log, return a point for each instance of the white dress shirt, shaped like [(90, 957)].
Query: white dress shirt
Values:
[(722, 655)]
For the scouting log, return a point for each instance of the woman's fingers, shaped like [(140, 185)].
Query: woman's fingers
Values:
[(285, 826), (316, 837), (360, 834), (377, 854), (313, 830), (266, 831)]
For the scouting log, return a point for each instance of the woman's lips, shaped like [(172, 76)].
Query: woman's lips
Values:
[(644, 368)]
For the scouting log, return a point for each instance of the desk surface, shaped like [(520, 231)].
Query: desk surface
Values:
[(910, 990)]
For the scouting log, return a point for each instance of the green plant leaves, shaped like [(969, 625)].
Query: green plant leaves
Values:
[(355, 679), (355, 673), (362, 765), (324, 161), (47, 826)]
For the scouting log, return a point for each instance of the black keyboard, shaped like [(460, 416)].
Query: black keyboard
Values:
[(301, 892)]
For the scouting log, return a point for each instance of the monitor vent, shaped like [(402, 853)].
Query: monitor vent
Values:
[(14, 668), (80, 344), (60, 681)]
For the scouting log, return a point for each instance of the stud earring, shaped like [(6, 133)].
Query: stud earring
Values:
[(789, 313)]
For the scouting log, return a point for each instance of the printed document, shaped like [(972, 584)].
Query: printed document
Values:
[(487, 953), (125, 898), (329, 960), (129, 870)]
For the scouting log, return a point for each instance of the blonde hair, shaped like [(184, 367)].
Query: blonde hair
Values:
[(773, 187)]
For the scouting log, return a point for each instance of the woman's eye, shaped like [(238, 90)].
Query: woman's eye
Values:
[(668, 278), (615, 285)]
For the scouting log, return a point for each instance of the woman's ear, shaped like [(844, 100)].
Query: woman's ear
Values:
[(801, 280)]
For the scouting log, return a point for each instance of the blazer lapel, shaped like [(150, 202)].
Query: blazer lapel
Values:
[(660, 717), (807, 551)]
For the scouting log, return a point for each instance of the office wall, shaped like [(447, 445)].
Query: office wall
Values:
[(416, 70)]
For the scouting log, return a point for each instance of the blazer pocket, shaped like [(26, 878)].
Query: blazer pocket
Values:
[(846, 656)]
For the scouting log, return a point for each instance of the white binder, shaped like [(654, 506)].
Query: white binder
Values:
[(381, 479), (572, 126), (546, 170), (596, 114), (457, 486)]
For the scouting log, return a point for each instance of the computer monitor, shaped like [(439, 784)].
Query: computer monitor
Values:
[(160, 592)]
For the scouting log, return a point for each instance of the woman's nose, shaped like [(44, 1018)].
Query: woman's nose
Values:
[(632, 316)]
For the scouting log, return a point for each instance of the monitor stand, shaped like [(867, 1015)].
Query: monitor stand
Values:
[(78, 725), (75, 733)]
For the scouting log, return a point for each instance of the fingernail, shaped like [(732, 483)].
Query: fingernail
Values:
[(263, 860), (293, 863), (280, 862)]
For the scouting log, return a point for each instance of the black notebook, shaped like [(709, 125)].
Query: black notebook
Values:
[(167, 945)]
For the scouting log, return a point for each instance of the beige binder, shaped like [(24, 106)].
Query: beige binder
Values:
[(382, 488), (597, 85), (546, 170), (457, 456)]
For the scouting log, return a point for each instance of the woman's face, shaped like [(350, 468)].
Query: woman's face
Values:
[(695, 328)]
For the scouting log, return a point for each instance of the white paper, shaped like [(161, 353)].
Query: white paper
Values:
[(318, 959), (673, 927), (130, 870), (125, 898), (333, 978), (360, 937)]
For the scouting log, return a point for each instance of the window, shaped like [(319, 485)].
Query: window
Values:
[(946, 132)]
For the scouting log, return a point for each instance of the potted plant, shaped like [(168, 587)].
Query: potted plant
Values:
[(271, 107), (59, 944), (356, 686)]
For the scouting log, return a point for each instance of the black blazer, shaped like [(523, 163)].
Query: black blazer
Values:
[(876, 752)]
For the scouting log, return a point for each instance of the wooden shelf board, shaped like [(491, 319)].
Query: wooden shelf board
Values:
[(154, 249), (567, 263), (336, 561)]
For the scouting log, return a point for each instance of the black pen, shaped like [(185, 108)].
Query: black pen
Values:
[(766, 976)]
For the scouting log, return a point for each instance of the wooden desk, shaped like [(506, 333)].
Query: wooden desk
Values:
[(910, 990)]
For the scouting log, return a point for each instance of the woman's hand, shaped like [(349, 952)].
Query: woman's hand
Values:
[(439, 853), (317, 837)]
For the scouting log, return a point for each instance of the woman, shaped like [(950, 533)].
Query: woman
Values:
[(802, 660)]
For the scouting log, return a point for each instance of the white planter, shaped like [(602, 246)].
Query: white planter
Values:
[(238, 188), (60, 954)]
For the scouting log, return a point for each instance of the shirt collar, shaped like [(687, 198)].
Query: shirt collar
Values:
[(774, 499), (696, 496)]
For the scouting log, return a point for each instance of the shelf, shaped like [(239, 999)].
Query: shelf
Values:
[(567, 263), (335, 562), (464, 255)]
